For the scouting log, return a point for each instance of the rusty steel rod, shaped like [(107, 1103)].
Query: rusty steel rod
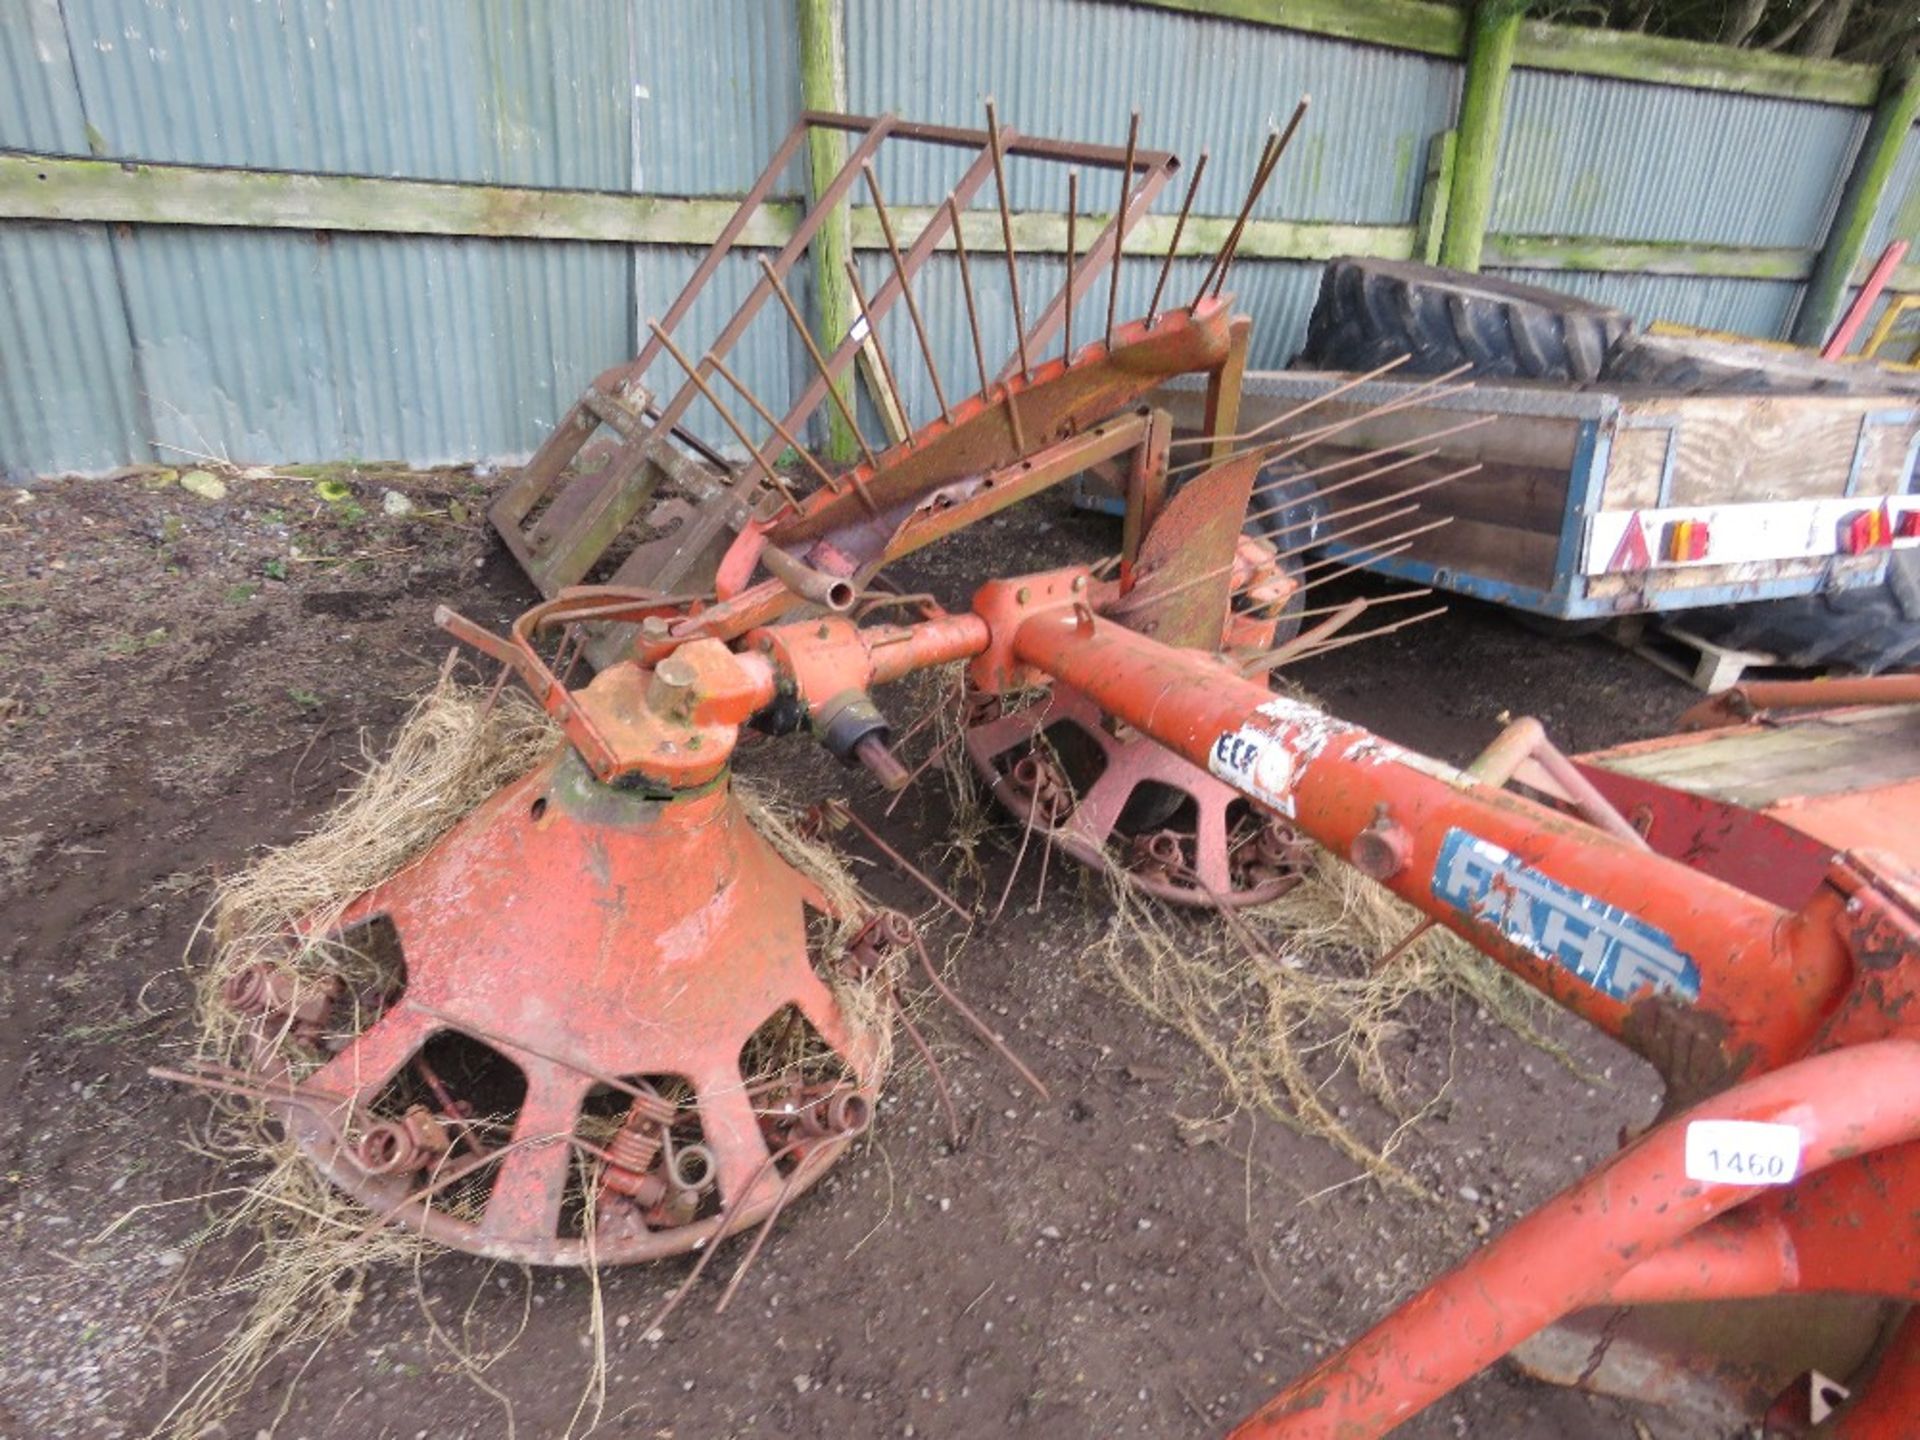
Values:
[(721, 369), (1073, 214), (1372, 600), (1120, 223), (1232, 250), (819, 362), (1346, 567), (707, 394), (906, 293), (1342, 641), (966, 289), (1173, 245), (900, 862), (1340, 535), (1342, 616), (1374, 549), (1287, 446), (1339, 485), (1006, 239), (1313, 402), (1362, 506), (1253, 193), (879, 350)]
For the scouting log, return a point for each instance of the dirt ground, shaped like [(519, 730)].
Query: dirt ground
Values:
[(184, 680)]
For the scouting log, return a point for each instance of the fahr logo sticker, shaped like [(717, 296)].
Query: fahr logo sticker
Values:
[(1255, 763), (1615, 952)]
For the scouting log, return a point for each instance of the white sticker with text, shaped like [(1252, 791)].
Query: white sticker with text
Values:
[(1742, 1152), (1254, 763)]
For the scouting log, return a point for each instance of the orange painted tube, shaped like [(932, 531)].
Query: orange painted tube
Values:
[(1534, 889), (1563, 1256)]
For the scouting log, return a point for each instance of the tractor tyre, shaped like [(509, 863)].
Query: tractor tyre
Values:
[(1870, 629), (1373, 311)]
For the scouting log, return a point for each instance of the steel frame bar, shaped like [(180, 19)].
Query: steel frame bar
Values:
[(1571, 1251), (790, 253), (1339, 779)]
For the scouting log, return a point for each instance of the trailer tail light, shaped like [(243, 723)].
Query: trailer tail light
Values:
[(1686, 540), (1865, 530), (1909, 526)]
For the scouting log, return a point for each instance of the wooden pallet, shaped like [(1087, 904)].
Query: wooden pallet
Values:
[(1678, 651)]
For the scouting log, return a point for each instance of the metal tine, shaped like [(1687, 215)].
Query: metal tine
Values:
[(1073, 214), (1312, 403), (1288, 650), (1287, 446), (1006, 238), (773, 422), (906, 293), (1372, 600), (1363, 456), (1232, 247), (1339, 485), (1120, 225), (1339, 535), (1377, 550), (1408, 493), (873, 334), (1350, 568), (1253, 191), (1373, 634), (1173, 245), (966, 288), (706, 393), (819, 361)]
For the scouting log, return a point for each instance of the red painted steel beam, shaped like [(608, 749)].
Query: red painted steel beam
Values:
[(1565, 1255), (1757, 982)]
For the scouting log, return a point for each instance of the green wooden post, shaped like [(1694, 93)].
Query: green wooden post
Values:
[(1432, 228), (1892, 122), (1490, 44), (823, 86)]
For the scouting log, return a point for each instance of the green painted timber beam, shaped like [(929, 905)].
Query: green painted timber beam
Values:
[(823, 86), (1400, 24), (1429, 29), (1635, 257), (1859, 202), (1434, 190), (47, 187), (1494, 31), (52, 187), (1623, 55)]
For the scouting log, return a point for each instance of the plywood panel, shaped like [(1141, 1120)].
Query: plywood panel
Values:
[(1755, 447)]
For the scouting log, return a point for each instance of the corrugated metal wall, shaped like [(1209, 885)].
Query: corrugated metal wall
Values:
[(132, 343), (1199, 83), (1581, 155)]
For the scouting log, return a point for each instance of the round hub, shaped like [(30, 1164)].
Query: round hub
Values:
[(1125, 801)]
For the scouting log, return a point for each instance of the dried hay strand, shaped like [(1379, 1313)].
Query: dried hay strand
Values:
[(313, 1248), (1282, 999), (454, 749)]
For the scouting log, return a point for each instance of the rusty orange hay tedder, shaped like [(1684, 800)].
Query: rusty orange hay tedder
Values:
[(613, 928)]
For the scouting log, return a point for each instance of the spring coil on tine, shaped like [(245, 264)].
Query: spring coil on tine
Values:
[(636, 1145), (1052, 800), (404, 1146)]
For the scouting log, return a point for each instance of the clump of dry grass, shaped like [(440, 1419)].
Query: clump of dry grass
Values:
[(452, 751), (1282, 999)]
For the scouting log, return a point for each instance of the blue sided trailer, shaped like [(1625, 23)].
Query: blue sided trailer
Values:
[(1608, 501)]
